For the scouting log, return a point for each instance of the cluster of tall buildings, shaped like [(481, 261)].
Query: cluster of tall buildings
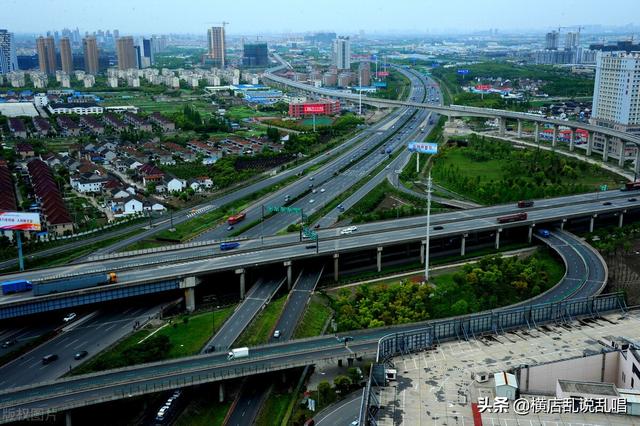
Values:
[(570, 53), (8, 58)]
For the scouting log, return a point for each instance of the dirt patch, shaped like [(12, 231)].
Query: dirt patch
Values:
[(624, 273)]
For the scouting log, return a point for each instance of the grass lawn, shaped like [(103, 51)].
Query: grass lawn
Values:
[(238, 113), (204, 411), (193, 227), (144, 244), (274, 409), (487, 170), (186, 338), (259, 330), (320, 121), (314, 319)]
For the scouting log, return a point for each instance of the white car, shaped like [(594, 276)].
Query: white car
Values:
[(322, 189), (69, 317), (311, 201), (353, 228), (346, 231), (276, 334)]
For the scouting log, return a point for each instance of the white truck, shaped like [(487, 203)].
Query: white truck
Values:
[(238, 353)]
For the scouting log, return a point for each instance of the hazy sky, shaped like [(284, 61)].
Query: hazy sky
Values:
[(344, 16)]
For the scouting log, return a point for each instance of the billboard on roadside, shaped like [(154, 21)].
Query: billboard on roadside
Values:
[(383, 73), (313, 108), (423, 147), (19, 221)]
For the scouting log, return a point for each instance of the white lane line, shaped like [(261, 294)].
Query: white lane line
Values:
[(69, 344)]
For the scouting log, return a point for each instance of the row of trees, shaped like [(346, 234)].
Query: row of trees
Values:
[(492, 282), (190, 119)]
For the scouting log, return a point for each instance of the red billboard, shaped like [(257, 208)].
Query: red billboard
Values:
[(18, 221), (313, 108), (383, 73)]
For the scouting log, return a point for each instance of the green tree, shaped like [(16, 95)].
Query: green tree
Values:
[(342, 384), (326, 395)]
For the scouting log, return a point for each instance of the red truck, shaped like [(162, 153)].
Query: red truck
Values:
[(632, 186), (236, 218), (525, 203), (512, 218)]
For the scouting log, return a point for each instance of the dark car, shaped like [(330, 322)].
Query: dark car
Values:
[(230, 228), (438, 228), (311, 246), (8, 343), (47, 359), (606, 203), (80, 355), (632, 200)]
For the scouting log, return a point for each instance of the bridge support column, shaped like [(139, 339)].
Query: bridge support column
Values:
[(190, 299), (498, 231), (554, 140), (422, 247), (621, 156), (379, 259), (605, 150), (221, 392), (287, 264), (519, 129), (590, 144), (502, 126), (463, 244), (620, 219), (637, 168), (562, 224), (67, 418), (530, 235), (241, 272), (450, 119), (537, 132), (336, 257), (572, 139), (592, 222)]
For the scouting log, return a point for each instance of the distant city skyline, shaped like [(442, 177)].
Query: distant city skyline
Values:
[(282, 16)]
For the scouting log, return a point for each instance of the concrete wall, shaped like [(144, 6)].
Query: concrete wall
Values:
[(627, 379)]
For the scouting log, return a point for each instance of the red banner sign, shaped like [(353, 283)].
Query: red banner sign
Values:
[(313, 108)]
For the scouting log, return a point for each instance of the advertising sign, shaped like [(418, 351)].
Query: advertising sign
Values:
[(18, 221), (463, 72), (313, 108), (383, 73), (423, 147)]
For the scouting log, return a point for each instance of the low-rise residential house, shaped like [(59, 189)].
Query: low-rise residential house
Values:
[(17, 128), (88, 183), (42, 126), (92, 125), (51, 159), (161, 121), (83, 108), (184, 153), (118, 193), (24, 150), (68, 126), (114, 122), (195, 185), (157, 207), (108, 155), (125, 206), (137, 122), (176, 185)]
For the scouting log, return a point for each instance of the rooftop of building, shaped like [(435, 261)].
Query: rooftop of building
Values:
[(593, 388), (436, 387)]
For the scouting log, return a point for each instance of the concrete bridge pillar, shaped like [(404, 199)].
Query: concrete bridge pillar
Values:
[(554, 140), (450, 119), (287, 264), (336, 257), (590, 144), (530, 236), (502, 123), (221, 392), (537, 132), (621, 154), (241, 272), (605, 150), (562, 224), (190, 299), (592, 222), (463, 244), (519, 129), (572, 139), (379, 259), (621, 219), (498, 231), (637, 168), (67, 418), (422, 247)]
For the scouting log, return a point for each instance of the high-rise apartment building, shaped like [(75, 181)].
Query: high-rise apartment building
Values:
[(364, 74), (217, 44), (146, 52), (342, 53), (66, 59), (255, 55), (90, 47), (616, 99), (552, 40), (46, 54), (126, 53), (8, 58), (571, 40)]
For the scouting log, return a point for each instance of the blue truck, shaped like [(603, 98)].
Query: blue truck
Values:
[(229, 246), (16, 286), (74, 283), (544, 233)]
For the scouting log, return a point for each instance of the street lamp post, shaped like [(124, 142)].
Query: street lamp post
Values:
[(426, 251)]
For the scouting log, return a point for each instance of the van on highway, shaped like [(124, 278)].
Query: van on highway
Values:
[(48, 359)]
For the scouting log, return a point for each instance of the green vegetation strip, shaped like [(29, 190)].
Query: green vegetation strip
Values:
[(205, 410), (181, 336), (315, 317), (259, 331), (274, 408)]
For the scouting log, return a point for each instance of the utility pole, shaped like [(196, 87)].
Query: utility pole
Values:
[(426, 251)]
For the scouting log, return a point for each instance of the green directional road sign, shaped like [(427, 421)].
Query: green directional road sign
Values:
[(283, 209), (604, 187), (310, 233)]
